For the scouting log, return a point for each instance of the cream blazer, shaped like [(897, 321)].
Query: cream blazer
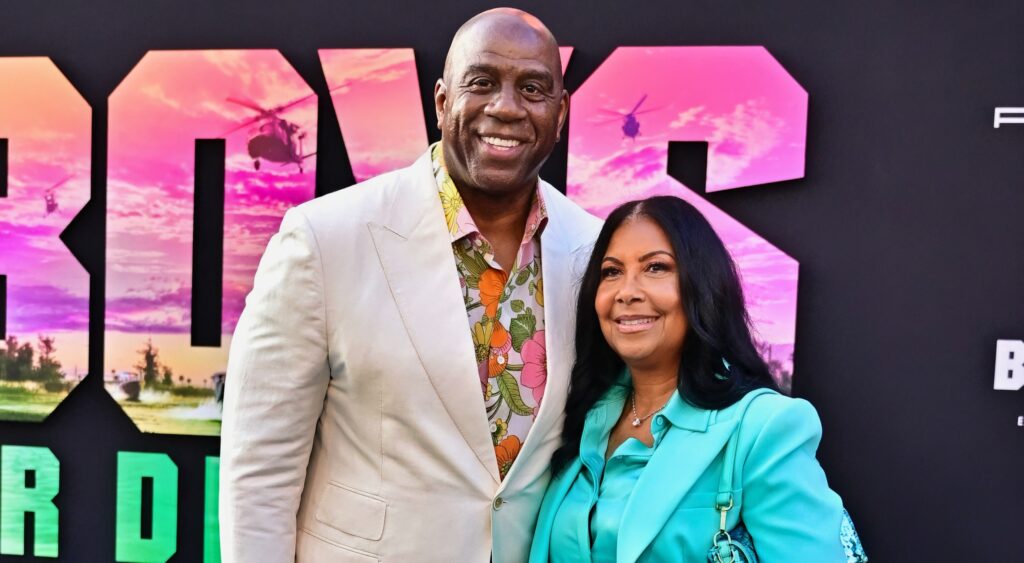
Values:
[(354, 427)]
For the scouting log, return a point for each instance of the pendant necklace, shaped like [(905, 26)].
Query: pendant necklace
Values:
[(637, 419)]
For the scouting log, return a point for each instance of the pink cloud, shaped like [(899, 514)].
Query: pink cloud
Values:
[(44, 309), (739, 100)]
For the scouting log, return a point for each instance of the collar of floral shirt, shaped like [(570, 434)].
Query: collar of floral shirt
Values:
[(460, 222)]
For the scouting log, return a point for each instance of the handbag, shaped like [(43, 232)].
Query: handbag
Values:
[(736, 546)]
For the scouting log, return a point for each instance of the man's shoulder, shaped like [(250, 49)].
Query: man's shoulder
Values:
[(355, 205)]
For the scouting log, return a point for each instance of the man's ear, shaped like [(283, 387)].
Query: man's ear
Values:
[(440, 97), (563, 112)]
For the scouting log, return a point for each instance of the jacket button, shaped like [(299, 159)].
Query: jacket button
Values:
[(659, 420), (497, 503)]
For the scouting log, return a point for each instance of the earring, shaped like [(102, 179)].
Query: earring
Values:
[(728, 370)]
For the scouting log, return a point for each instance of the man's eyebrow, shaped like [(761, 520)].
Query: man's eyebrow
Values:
[(538, 74), (535, 74), (479, 67)]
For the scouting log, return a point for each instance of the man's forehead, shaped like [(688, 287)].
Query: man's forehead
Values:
[(504, 61), (505, 41)]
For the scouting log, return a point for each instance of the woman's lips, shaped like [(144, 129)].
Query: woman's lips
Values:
[(630, 325)]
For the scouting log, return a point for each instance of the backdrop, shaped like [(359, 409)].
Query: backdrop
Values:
[(848, 154)]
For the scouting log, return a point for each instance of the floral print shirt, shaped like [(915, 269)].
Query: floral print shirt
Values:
[(506, 317)]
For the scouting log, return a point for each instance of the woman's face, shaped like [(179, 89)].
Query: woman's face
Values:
[(638, 304)]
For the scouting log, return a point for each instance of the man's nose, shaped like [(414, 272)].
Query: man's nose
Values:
[(507, 104)]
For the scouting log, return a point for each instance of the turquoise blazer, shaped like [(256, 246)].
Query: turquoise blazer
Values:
[(780, 491)]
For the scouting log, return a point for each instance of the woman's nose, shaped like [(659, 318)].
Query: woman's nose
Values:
[(630, 292)]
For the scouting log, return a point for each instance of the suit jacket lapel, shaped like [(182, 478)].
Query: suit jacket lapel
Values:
[(415, 251), (683, 455), (560, 253)]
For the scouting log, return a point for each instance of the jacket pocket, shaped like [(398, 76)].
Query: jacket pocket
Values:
[(352, 512), (313, 548)]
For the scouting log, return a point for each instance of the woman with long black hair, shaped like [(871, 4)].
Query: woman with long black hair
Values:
[(677, 444)]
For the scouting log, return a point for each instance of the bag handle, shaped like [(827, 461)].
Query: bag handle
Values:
[(722, 543), (724, 500)]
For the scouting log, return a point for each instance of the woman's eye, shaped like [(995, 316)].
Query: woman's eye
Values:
[(658, 267), (609, 272)]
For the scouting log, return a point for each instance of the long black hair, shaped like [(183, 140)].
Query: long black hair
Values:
[(720, 362)]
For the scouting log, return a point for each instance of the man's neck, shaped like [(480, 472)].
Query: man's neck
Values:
[(501, 220)]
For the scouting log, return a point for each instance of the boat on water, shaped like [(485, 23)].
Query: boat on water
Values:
[(131, 389), (128, 382)]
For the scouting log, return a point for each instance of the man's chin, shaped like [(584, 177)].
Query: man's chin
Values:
[(501, 184)]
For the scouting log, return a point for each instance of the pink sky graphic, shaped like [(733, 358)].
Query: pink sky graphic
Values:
[(48, 127), (170, 99), (752, 114)]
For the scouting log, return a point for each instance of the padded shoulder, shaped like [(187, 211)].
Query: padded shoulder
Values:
[(357, 204), (777, 422)]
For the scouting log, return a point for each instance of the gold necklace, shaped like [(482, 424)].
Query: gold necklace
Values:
[(637, 419)]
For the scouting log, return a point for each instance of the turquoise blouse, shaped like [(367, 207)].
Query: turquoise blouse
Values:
[(586, 525), (657, 504)]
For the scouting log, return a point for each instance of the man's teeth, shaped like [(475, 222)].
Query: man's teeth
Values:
[(504, 143), (637, 321)]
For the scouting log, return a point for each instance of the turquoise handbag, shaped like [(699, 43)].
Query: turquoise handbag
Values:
[(737, 546)]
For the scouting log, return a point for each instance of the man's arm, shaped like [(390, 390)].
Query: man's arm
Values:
[(274, 393)]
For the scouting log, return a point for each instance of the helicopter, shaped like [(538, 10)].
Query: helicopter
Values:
[(630, 124), (275, 139), (50, 196)]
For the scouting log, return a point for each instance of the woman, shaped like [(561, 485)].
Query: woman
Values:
[(666, 374)]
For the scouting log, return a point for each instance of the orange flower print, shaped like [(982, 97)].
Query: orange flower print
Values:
[(492, 284), (501, 343), (507, 451), (496, 363), (499, 337)]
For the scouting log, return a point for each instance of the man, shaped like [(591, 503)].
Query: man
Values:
[(366, 417)]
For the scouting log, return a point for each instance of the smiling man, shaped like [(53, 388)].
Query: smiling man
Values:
[(397, 380)]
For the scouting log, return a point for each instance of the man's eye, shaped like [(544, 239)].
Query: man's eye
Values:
[(531, 89), (481, 82)]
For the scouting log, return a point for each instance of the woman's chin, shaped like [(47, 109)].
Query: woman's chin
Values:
[(637, 357)]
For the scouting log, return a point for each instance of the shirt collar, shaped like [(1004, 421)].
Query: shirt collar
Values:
[(460, 222), (682, 414), (677, 411)]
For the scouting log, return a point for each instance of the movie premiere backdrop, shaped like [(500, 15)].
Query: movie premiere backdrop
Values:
[(863, 165)]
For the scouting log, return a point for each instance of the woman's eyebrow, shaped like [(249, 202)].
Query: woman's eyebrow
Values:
[(653, 253), (612, 259)]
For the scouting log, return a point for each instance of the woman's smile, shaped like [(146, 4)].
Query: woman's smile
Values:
[(630, 324), (638, 303)]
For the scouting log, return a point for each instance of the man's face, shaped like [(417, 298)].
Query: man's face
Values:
[(500, 108)]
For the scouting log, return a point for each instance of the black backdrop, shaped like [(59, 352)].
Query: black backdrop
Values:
[(907, 228)]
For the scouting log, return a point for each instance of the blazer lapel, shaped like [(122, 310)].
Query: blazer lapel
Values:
[(557, 489), (559, 256), (683, 455), (415, 251)]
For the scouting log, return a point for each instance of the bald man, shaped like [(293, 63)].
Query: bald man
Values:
[(396, 382)]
